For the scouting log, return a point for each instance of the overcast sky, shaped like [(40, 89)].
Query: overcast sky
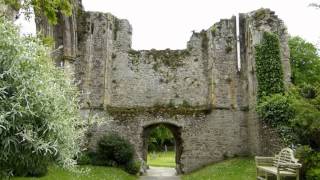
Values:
[(164, 24)]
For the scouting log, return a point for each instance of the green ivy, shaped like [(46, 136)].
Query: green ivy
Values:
[(277, 111), (268, 66)]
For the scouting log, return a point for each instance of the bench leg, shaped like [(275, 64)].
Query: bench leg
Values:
[(266, 176)]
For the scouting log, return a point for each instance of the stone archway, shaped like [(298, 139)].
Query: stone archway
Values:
[(176, 131)]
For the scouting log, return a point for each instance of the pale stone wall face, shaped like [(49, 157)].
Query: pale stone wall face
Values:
[(206, 138), (198, 90)]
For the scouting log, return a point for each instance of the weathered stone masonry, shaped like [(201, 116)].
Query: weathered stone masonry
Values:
[(197, 92)]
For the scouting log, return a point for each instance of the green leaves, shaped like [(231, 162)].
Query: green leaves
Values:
[(158, 136), (296, 114), (38, 106), (43, 8), (276, 110), (305, 62), (268, 66)]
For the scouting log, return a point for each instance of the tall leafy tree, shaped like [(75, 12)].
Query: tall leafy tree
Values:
[(159, 137), (305, 62)]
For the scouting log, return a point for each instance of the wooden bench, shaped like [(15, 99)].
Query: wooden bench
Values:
[(282, 165)]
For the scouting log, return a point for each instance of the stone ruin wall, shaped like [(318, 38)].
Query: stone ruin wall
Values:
[(198, 89)]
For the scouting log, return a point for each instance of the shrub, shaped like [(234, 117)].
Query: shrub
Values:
[(114, 150), (313, 174), (133, 167), (306, 121), (38, 107), (308, 91), (275, 110), (84, 159), (310, 160), (32, 165)]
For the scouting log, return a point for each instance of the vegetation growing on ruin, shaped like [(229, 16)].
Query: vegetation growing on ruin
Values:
[(260, 14), (169, 109), (116, 28), (167, 58), (269, 66), (213, 31), (43, 8), (295, 114)]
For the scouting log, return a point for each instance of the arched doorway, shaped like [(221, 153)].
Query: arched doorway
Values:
[(176, 133)]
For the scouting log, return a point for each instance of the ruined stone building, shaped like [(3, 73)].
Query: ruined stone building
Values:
[(198, 92)]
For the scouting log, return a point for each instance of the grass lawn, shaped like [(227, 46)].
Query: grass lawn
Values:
[(89, 173), (232, 169), (162, 159)]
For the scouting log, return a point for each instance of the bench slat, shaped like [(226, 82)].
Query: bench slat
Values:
[(283, 163)]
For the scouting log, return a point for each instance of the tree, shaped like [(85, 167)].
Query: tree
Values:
[(38, 107), (159, 136), (43, 8), (305, 62)]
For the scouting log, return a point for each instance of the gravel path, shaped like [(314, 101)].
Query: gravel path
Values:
[(160, 173)]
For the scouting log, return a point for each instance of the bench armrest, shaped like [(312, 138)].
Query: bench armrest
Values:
[(290, 165), (264, 161)]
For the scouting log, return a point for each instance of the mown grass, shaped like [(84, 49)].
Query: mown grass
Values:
[(162, 159), (86, 173), (232, 169)]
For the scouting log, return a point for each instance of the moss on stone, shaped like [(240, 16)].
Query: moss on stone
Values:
[(213, 31), (113, 56), (126, 113), (205, 41), (116, 28), (228, 49), (83, 25), (260, 14), (167, 57), (185, 104), (134, 56), (229, 44)]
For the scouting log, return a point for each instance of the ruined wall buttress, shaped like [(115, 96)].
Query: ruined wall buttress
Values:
[(262, 139)]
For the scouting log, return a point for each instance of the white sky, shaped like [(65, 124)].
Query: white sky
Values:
[(162, 24)]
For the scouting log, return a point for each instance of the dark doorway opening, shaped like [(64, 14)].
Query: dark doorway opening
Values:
[(158, 151)]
